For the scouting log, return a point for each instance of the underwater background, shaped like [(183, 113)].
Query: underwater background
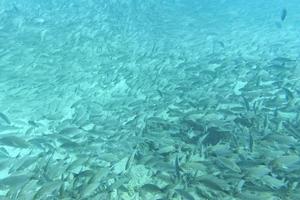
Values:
[(144, 99)]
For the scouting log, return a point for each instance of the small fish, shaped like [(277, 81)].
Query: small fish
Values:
[(166, 150), (273, 182), (118, 183), (257, 171), (177, 167), (47, 189), (285, 162), (266, 121), (4, 163), (251, 142), (246, 102), (184, 194), (283, 14), (151, 188), (240, 186), (160, 93), (15, 180), (14, 141), (70, 131), (4, 118), (214, 182), (288, 94), (33, 123), (130, 159), (230, 164), (23, 163), (221, 44)]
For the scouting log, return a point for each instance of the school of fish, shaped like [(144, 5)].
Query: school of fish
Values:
[(105, 101)]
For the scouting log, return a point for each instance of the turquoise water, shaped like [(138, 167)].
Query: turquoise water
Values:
[(139, 100)]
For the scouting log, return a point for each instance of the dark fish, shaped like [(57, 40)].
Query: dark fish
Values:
[(283, 14), (221, 44), (184, 194), (177, 168), (251, 142), (4, 118), (151, 188), (288, 94), (246, 102)]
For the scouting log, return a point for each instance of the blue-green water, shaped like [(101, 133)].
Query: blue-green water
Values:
[(139, 100)]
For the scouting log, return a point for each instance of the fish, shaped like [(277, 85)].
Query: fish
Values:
[(5, 118), (14, 141), (214, 182), (256, 195), (3, 153), (23, 163), (70, 131), (257, 171), (273, 182), (130, 159), (240, 186), (166, 149), (230, 164), (251, 142), (152, 188), (289, 96), (15, 180), (184, 194), (120, 181), (4, 163), (285, 162), (143, 122), (246, 102), (47, 189), (280, 138), (177, 167), (283, 14)]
